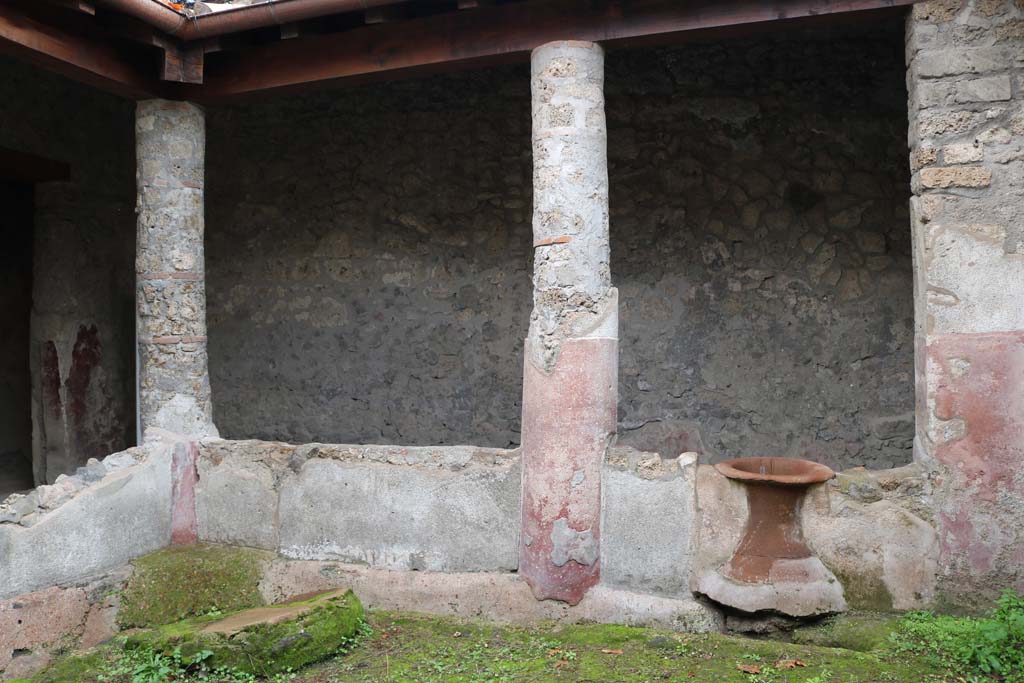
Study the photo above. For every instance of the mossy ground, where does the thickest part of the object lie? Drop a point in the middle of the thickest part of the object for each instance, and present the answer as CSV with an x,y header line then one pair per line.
x,y
859,631
178,583
419,649
407,648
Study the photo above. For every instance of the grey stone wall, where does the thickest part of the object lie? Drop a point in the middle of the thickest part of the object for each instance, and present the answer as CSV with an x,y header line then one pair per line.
x,y
368,263
369,254
81,358
965,64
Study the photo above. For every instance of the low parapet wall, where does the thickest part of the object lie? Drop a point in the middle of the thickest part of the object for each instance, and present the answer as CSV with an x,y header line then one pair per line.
x,y
429,529
439,509
443,509
88,524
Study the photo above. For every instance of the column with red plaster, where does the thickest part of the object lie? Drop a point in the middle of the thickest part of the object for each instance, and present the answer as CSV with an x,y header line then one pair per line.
x,y
967,156
174,384
170,295
571,355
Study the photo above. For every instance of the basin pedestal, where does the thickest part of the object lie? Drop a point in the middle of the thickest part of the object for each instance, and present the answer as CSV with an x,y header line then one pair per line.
x,y
772,569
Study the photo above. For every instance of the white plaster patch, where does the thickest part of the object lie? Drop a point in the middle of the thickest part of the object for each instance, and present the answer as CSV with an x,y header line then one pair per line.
x,y
973,285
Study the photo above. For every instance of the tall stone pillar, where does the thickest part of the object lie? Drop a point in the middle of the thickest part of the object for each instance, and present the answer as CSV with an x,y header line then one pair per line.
x,y
174,385
571,356
966,111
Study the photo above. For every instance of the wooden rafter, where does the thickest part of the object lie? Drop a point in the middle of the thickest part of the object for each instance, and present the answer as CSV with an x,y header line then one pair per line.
x,y
77,56
104,49
494,34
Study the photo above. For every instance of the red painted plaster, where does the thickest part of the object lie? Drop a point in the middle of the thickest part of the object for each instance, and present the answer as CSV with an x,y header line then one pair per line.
x,y
569,417
979,379
50,380
184,525
85,357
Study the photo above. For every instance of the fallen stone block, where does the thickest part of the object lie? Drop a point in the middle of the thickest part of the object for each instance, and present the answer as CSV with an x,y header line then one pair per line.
x,y
264,640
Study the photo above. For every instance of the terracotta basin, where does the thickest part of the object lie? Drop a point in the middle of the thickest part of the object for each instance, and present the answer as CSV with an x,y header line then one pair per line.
x,y
775,493
785,471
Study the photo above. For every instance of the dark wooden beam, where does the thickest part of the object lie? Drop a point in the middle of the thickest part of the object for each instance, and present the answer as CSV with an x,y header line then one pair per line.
x,y
29,168
75,5
489,35
384,14
76,56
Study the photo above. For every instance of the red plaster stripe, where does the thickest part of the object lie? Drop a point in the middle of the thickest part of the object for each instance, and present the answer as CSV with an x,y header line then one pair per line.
x,y
184,475
564,239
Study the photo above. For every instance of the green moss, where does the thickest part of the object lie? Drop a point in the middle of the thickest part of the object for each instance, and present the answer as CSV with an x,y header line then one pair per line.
x,y
867,593
858,631
77,668
435,650
420,649
177,583
605,635
331,621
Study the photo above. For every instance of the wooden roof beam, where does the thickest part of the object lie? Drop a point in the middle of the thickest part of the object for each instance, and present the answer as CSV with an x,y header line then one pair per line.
x,y
488,35
76,56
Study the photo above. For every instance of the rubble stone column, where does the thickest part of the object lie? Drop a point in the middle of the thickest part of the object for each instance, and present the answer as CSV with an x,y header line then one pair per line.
x,y
965,63
570,373
174,385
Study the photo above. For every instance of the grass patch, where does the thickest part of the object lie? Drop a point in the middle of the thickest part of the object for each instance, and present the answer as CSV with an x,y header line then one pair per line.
x,y
406,648
979,649
860,631
419,649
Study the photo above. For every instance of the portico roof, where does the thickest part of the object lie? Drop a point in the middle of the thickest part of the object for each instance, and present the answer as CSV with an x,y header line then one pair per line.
x,y
218,51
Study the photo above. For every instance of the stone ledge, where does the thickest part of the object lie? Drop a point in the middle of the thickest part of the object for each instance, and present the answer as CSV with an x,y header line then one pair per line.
x,y
494,596
28,508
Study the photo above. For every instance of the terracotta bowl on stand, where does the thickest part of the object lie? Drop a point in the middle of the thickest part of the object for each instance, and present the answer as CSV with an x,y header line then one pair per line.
x,y
772,569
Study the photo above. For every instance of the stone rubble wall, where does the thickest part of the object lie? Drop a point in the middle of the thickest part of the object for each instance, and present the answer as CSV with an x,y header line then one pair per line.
x,y
758,236
965,62
174,385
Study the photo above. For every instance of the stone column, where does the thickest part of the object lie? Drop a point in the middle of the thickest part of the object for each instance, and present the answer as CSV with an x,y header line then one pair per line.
x,y
570,371
966,111
174,385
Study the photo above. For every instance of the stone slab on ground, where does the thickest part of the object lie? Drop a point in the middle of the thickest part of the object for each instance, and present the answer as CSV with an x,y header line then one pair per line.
x,y
265,640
